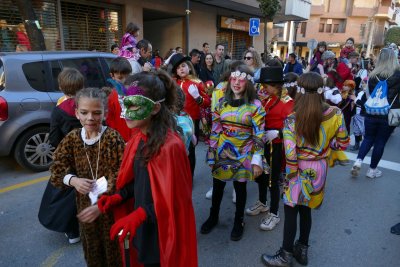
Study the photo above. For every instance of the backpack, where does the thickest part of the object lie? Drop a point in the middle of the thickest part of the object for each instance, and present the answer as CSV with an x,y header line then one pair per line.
x,y
377,103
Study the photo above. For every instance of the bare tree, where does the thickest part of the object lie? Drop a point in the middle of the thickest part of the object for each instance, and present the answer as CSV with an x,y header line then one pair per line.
x,y
29,17
268,8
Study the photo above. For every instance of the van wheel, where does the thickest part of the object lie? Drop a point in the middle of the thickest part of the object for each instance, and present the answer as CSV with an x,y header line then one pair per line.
x,y
33,150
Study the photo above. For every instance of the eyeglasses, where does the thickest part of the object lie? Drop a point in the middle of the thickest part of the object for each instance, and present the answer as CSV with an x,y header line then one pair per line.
x,y
247,58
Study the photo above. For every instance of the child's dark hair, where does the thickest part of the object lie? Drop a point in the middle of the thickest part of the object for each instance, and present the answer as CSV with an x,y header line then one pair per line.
x,y
291,77
70,81
180,100
113,47
93,93
120,65
249,93
232,67
157,86
132,28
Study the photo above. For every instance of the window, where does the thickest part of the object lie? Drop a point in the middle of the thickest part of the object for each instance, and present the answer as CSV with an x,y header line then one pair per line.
x,y
90,69
303,29
55,70
328,28
335,28
321,27
35,75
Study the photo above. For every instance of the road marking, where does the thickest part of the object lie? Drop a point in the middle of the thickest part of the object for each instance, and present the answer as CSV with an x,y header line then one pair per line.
x,y
53,258
27,183
382,163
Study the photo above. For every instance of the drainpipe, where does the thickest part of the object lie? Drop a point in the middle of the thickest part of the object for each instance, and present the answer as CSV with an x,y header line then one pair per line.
x,y
187,25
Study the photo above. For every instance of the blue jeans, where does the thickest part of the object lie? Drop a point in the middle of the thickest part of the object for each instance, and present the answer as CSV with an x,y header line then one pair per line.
x,y
377,132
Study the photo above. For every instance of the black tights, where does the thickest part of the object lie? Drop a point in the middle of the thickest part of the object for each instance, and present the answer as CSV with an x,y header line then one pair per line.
x,y
192,148
263,180
290,228
241,195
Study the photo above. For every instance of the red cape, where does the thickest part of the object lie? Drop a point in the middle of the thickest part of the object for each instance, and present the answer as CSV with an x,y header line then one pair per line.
x,y
171,186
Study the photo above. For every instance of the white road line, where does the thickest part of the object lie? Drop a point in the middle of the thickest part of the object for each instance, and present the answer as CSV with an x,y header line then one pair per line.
x,y
382,163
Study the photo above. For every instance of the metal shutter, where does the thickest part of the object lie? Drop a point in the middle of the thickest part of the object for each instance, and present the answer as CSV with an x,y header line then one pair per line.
x,y
234,41
91,24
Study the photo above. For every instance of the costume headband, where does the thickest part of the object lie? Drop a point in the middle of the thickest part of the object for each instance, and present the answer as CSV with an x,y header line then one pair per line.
x,y
300,89
292,84
241,75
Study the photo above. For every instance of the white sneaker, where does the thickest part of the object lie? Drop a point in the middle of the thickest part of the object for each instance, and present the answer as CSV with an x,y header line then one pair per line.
x,y
234,196
373,173
209,193
257,208
73,240
269,222
355,170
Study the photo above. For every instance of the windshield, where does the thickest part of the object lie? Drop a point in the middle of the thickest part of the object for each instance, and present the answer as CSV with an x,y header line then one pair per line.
x,y
2,76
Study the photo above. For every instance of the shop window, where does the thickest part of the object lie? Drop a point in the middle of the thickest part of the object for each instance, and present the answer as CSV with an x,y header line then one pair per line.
x,y
235,42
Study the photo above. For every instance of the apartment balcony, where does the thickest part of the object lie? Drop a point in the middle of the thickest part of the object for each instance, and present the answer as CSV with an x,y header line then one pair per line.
x,y
385,12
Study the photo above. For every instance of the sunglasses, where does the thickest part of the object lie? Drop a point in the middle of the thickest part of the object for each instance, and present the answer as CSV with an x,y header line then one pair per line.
x,y
247,58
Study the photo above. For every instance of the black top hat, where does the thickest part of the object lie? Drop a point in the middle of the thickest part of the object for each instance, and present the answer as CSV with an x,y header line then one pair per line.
x,y
271,75
177,59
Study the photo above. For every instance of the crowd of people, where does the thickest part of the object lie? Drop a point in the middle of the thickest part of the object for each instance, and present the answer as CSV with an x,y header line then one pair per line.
x,y
128,150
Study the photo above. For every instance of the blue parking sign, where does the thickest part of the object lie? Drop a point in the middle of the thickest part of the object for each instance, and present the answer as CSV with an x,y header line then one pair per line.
x,y
254,27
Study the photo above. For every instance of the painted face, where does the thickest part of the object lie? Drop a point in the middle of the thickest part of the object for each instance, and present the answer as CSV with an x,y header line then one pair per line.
x,y
138,107
90,112
183,70
209,60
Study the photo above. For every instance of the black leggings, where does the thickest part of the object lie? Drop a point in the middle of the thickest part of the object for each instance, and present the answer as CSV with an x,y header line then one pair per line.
x,y
263,180
241,195
192,148
290,227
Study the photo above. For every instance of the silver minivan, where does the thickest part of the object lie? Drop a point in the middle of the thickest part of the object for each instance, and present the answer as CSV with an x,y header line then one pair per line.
x,y
28,93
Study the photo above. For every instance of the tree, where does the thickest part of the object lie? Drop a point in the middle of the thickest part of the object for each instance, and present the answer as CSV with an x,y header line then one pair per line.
x,y
393,36
29,17
268,8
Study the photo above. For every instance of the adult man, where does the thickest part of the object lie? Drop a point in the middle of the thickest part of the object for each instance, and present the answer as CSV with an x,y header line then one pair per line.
x,y
142,64
195,59
206,49
220,66
293,65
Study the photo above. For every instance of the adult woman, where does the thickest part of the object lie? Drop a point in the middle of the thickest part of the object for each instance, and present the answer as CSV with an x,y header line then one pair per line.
x,y
377,129
206,69
277,107
253,60
236,146
310,132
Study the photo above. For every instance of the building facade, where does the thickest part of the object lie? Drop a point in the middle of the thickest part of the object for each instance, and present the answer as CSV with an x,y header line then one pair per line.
x,y
97,24
333,21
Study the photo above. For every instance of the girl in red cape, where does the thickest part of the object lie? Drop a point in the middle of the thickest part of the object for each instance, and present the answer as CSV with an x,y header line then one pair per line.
x,y
153,202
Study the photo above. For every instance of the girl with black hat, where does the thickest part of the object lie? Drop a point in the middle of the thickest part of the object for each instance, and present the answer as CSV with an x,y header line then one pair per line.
x,y
195,94
277,108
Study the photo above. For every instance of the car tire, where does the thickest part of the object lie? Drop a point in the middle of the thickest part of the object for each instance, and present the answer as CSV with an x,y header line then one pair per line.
x,y
33,150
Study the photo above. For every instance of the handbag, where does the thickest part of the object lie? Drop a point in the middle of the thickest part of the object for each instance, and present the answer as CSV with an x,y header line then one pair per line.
x,y
57,210
394,115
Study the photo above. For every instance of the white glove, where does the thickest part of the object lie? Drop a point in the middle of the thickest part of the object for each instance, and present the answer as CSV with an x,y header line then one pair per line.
x,y
271,135
360,95
194,91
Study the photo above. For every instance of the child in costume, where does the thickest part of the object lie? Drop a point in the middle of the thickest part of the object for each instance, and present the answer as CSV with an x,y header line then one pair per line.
x,y
236,146
120,68
346,50
56,212
195,94
309,134
184,121
88,159
129,41
154,186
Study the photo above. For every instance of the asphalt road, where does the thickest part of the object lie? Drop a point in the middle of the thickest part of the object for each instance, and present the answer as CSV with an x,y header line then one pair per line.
x,y
352,228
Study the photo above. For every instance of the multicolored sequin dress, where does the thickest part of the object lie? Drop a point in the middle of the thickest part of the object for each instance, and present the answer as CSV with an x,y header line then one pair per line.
x,y
306,165
237,138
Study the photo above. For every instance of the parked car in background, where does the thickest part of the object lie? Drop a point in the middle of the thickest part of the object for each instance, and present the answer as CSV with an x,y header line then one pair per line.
x,y
28,93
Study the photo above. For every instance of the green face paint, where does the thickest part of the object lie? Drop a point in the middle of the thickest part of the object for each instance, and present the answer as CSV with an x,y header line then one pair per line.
x,y
144,107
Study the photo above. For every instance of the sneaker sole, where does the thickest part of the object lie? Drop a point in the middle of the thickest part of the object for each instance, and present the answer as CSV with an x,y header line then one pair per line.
x,y
355,171
253,213
269,229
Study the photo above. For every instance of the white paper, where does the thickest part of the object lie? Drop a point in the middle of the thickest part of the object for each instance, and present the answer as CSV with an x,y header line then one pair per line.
x,y
99,188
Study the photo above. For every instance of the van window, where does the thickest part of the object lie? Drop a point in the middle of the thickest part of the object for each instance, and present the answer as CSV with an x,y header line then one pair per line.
x,y
2,76
90,69
35,75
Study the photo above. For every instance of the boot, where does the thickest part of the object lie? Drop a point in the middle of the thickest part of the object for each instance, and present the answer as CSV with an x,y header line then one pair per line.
x,y
238,227
356,146
282,258
211,222
300,253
